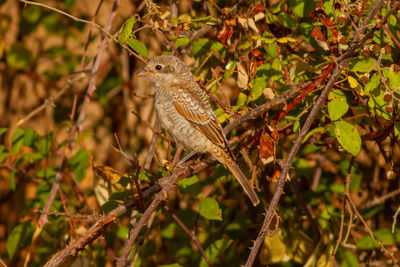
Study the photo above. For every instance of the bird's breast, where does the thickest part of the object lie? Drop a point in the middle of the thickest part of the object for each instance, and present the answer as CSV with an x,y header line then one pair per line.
x,y
181,130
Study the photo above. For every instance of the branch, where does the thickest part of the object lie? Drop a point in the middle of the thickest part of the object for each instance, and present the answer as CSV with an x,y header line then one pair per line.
x,y
98,228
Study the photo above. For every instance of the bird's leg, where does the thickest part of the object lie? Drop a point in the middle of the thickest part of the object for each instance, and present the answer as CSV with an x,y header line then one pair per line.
x,y
179,164
188,156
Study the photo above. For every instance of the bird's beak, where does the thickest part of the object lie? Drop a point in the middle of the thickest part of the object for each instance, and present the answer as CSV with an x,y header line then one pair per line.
x,y
143,73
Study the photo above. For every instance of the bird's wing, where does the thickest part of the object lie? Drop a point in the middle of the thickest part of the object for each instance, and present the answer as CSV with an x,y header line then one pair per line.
x,y
193,108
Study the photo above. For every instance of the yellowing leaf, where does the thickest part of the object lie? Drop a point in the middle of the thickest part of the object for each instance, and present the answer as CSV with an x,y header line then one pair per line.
x,y
285,40
274,250
355,85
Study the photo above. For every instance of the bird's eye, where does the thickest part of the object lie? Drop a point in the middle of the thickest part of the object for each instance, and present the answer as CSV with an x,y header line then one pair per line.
x,y
158,67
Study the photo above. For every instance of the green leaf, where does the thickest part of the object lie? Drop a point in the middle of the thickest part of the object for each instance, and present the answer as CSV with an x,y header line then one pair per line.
x,y
230,67
337,105
337,188
313,131
209,209
215,249
394,79
53,24
271,50
188,181
30,137
122,232
19,57
181,41
382,235
126,30
46,173
259,83
3,130
31,14
11,180
265,39
372,211
126,36
362,65
216,46
20,237
378,104
302,8
397,129
171,265
348,260
241,99
17,140
348,137
209,20
144,177
200,46
190,185
80,158
44,143
287,20
372,84
3,153
139,47
169,231
296,126
245,45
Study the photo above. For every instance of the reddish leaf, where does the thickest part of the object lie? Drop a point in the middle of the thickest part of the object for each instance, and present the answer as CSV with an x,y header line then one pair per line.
x,y
266,147
317,34
226,33
275,175
258,9
268,141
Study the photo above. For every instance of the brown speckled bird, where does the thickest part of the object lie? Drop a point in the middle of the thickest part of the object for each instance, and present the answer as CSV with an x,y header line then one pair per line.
x,y
185,112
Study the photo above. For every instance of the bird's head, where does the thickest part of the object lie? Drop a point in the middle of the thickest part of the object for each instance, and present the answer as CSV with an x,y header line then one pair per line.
x,y
164,69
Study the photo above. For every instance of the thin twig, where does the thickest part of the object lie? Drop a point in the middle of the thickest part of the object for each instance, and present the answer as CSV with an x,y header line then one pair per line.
x,y
192,236
51,100
90,90
153,145
395,219
105,30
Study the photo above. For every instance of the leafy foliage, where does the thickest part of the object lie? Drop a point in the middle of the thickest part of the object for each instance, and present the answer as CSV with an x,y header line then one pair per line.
x,y
54,130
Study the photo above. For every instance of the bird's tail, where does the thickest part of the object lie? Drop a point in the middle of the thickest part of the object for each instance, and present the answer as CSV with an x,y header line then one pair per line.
x,y
229,162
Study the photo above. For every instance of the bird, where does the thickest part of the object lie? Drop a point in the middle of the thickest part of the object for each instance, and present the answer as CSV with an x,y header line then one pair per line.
x,y
184,111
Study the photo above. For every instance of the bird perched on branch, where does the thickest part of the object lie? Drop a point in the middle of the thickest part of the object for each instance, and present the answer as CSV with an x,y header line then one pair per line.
x,y
184,111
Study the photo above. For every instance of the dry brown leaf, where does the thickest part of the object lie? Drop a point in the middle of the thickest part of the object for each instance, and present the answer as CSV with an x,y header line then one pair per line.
x,y
243,78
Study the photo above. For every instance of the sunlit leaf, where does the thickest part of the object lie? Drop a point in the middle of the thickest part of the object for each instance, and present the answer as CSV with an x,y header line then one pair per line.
x,y
215,249
209,209
20,237
337,104
363,65
348,137
17,140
